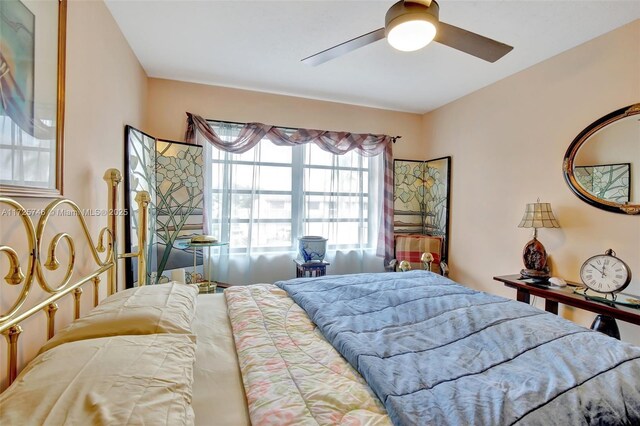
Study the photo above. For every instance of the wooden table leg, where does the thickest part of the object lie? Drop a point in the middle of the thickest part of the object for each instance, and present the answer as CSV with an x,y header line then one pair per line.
x,y
607,325
551,306
523,296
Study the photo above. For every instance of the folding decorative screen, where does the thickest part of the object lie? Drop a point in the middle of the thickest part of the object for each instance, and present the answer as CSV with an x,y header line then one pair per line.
x,y
140,175
172,172
421,198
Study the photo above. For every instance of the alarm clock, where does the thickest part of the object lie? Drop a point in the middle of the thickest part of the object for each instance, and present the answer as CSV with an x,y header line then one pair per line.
x,y
605,273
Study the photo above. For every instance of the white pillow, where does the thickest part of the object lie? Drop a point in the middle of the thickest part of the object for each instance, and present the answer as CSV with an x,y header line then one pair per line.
x,y
121,380
163,308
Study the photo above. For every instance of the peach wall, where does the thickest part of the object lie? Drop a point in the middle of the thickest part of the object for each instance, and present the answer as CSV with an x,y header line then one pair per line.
x,y
508,141
169,100
106,88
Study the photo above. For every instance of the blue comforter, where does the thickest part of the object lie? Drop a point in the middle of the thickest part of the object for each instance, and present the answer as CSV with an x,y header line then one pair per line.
x,y
436,353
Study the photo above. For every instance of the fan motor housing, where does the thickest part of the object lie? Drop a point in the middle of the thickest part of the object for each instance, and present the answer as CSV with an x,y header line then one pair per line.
x,y
404,11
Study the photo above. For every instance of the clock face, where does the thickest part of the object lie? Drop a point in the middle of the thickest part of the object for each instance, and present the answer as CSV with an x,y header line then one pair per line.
x,y
605,274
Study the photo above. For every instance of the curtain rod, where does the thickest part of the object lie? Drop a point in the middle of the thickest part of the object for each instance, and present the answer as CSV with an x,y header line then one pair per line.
x,y
393,138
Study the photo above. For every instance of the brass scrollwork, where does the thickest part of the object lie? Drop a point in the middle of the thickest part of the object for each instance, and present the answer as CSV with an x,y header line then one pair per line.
x,y
35,268
52,262
15,276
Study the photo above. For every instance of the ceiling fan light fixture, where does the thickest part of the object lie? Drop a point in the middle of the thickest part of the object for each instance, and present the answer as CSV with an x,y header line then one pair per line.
x,y
411,25
411,35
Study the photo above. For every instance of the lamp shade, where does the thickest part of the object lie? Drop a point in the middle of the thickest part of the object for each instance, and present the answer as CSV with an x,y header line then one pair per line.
x,y
538,215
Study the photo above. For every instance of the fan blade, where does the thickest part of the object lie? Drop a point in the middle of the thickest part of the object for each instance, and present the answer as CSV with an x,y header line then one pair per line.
x,y
471,43
346,47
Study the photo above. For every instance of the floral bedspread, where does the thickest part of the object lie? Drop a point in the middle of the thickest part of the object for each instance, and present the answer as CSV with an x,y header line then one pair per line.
x,y
290,372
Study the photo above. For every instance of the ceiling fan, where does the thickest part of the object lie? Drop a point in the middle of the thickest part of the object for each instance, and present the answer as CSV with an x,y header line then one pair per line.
x,y
411,25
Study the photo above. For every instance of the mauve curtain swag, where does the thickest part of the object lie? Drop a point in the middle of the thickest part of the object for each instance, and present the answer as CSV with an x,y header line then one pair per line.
x,y
337,143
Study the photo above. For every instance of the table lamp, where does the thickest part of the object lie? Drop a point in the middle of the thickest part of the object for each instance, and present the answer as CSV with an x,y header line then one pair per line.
x,y
426,260
536,215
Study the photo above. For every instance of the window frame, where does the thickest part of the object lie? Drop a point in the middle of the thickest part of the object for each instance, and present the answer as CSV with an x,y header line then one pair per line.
x,y
298,217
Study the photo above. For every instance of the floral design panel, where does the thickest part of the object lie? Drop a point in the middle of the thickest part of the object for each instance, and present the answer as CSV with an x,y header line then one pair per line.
x,y
180,205
610,182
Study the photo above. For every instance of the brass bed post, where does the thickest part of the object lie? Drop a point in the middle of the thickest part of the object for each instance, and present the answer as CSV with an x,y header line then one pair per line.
x,y
96,291
143,199
76,299
12,335
113,179
51,319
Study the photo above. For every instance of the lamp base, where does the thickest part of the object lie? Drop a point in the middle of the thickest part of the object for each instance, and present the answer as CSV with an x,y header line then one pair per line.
x,y
534,257
535,274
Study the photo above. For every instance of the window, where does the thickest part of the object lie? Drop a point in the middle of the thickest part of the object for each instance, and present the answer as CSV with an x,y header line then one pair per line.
x,y
267,197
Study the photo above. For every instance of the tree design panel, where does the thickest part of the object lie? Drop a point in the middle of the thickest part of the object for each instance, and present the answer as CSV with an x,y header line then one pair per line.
x,y
140,154
436,183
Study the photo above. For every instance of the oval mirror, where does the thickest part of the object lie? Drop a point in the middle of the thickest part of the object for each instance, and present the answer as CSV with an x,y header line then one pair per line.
x,y
601,164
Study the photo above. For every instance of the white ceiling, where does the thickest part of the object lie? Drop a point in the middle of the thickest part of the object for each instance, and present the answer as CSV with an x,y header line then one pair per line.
x,y
257,45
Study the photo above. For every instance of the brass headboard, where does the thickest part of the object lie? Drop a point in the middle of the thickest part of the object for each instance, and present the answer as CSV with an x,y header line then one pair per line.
x,y
107,244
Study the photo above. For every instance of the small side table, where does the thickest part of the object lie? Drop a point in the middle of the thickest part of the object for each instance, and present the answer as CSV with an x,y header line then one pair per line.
x,y
219,287
206,286
311,269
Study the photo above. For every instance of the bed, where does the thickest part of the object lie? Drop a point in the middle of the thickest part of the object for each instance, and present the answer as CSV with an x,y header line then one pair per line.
x,y
362,349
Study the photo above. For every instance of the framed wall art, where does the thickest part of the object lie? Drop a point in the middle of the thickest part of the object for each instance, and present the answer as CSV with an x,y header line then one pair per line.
x,y
32,76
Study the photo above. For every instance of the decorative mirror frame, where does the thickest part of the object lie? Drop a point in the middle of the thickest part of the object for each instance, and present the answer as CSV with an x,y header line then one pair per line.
x,y
28,191
570,156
